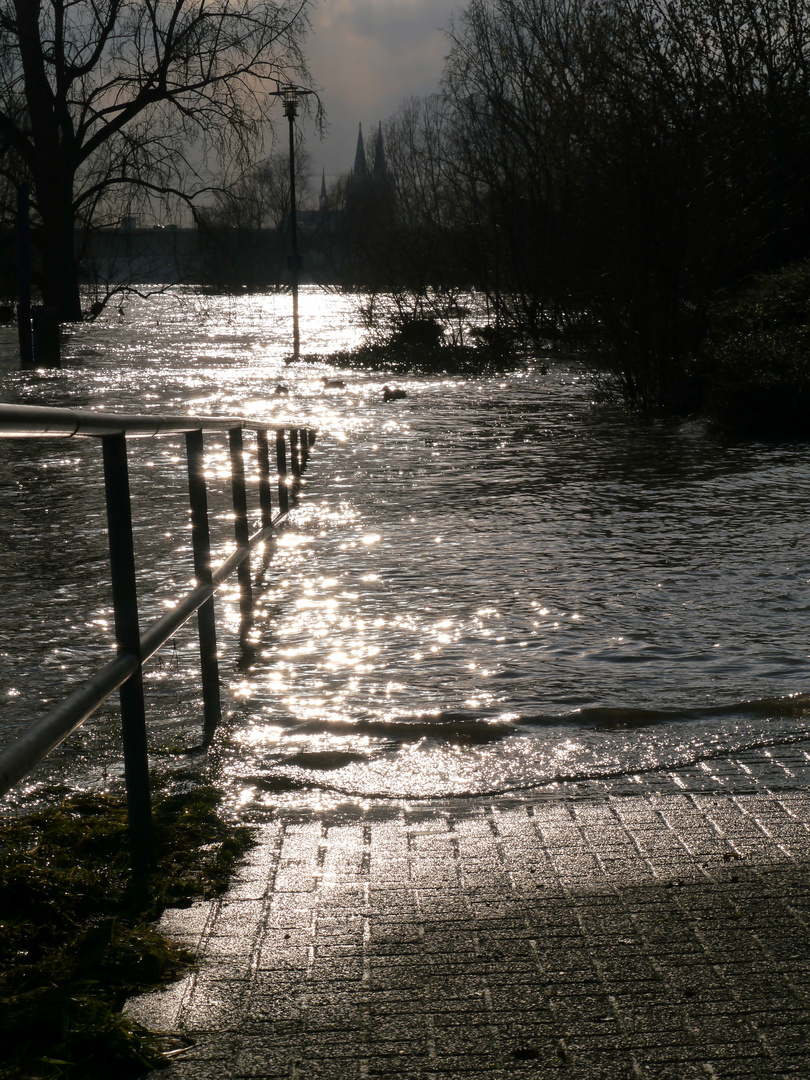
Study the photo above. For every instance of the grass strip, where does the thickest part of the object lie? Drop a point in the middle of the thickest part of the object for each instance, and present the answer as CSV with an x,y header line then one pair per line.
x,y
75,939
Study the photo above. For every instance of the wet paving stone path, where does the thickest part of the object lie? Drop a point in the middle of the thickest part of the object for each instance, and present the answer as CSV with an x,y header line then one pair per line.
x,y
658,935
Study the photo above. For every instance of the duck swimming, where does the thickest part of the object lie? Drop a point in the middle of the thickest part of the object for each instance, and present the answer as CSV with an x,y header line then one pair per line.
x,y
394,394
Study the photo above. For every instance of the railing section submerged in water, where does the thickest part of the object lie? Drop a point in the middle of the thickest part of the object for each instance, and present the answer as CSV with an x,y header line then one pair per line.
x,y
133,649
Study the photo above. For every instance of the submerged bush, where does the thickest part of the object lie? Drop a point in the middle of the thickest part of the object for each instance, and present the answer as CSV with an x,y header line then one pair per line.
x,y
418,333
757,357
419,345
74,936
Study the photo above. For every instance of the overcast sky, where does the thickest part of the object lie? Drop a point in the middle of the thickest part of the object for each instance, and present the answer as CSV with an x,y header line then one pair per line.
x,y
367,56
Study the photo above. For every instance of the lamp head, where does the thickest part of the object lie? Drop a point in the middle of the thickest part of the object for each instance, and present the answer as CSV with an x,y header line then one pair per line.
x,y
289,96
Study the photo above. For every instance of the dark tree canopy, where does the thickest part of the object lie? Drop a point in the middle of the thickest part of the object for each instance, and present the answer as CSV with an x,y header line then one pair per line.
x,y
628,160
108,106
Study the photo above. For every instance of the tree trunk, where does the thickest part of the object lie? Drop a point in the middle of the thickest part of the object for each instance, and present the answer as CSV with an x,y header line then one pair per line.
x,y
59,282
52,165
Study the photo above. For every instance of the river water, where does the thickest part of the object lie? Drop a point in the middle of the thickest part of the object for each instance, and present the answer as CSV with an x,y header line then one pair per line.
x,y
493,586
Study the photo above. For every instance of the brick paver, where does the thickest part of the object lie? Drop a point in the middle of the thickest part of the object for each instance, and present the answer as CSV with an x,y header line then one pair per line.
x,y
658,935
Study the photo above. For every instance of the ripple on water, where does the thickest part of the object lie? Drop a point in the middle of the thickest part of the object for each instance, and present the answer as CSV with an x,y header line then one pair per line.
x,y
492,588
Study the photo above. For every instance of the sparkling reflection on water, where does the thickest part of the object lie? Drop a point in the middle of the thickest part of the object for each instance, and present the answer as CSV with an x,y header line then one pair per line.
x,y
490,586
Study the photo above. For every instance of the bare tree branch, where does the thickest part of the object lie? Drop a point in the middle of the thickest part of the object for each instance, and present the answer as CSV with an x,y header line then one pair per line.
x,y
147,97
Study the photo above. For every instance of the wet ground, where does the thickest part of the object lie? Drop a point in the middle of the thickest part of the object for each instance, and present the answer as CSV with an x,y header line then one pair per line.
x,y
659,935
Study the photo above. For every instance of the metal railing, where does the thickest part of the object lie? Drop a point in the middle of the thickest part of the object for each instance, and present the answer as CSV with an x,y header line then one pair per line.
x,y
133,648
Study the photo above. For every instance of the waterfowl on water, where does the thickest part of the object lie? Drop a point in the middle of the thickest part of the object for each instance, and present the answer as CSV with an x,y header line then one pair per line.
x,y
281,389
394,394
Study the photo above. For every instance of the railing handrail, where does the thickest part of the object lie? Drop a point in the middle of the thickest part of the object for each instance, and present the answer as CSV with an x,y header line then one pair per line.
x,y
37,421
134,648
44,734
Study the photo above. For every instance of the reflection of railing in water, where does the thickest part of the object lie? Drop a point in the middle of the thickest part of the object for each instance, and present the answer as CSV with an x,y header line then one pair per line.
x,y
134,648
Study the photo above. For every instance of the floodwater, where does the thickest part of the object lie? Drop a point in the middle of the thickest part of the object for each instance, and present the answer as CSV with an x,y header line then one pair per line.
x,y
491,586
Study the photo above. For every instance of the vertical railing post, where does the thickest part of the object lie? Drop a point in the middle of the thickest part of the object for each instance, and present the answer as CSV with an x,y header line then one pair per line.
x,y
281,458
265,491
206,616
241,529
295,459
128,640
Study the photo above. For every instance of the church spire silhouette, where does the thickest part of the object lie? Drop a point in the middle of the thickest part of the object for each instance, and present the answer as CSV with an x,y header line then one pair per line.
x,y
359,171
380,166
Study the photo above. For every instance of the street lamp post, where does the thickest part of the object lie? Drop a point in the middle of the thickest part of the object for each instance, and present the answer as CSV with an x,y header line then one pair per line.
x,y
289,95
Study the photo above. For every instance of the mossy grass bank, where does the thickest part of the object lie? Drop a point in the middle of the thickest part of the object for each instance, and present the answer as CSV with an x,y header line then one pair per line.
x,y
75,939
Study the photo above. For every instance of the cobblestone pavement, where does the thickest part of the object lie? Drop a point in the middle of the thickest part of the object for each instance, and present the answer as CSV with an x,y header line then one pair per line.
x,y
660,934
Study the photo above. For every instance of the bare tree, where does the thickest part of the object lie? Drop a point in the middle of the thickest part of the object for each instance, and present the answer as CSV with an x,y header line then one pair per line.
x,y
417,161
513,133
110,106
244,234
630,159
425,250
261,198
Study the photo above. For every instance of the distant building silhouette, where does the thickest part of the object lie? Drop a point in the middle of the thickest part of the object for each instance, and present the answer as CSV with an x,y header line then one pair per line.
x,y
341,238
360,171
380,171
370,197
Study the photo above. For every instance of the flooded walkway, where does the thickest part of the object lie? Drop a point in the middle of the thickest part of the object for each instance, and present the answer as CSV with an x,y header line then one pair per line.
x,y
658,935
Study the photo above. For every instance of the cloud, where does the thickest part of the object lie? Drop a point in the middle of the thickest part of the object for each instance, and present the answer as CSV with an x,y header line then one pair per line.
x,y
368,56
397,25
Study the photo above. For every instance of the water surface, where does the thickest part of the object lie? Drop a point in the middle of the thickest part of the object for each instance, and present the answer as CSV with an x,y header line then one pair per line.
x,y
491,586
